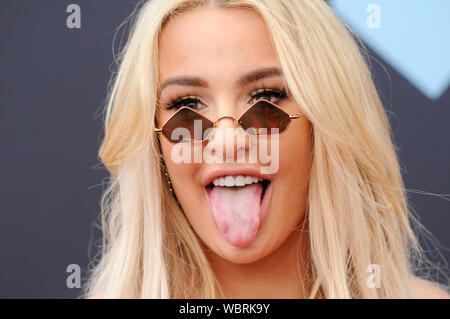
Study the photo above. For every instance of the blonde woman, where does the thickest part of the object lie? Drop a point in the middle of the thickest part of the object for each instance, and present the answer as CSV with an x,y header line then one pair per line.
x,y
321,214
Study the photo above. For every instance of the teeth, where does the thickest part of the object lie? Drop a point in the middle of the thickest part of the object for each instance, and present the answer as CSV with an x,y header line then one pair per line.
x,y
240,180
231,181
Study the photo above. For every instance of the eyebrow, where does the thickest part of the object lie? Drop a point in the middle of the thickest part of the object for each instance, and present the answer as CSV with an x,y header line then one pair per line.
x,y
243,80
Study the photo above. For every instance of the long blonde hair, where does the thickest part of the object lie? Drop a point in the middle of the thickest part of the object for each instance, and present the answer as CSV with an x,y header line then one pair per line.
x,y
357,208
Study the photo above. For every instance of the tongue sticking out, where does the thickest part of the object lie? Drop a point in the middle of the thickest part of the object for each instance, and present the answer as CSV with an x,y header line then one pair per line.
x,y
236,211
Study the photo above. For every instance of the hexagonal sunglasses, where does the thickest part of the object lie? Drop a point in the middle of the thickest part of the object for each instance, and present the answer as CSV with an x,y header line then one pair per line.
x,y
259,119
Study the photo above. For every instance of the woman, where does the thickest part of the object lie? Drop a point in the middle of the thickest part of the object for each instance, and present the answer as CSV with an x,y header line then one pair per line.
x,y
321,214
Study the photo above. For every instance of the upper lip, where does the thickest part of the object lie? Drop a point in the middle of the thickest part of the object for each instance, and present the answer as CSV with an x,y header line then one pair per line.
x,y
210,175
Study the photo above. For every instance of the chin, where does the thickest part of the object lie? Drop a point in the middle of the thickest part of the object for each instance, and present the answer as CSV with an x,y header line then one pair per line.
x,y
260,248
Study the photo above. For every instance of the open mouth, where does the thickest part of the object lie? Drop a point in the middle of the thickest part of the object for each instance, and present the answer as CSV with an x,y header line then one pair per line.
x,y
238,181
236,202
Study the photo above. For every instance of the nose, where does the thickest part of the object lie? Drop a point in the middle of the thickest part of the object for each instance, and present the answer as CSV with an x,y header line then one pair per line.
x,y
227,141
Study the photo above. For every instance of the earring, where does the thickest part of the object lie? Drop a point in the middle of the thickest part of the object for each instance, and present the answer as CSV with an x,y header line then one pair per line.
x,y
169,182
164,170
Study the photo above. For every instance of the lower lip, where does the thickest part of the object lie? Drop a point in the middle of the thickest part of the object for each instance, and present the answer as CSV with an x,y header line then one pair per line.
x,y
265,203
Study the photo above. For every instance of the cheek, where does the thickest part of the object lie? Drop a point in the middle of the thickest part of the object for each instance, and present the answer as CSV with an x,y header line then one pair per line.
x,y
295,158
182,175
296,150
292,180
186,184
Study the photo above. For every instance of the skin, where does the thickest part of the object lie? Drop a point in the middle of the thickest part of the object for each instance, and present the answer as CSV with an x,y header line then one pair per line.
x,y
235,42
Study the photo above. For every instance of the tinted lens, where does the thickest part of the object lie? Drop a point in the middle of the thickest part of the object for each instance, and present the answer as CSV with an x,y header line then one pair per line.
x,y
264,115
186,126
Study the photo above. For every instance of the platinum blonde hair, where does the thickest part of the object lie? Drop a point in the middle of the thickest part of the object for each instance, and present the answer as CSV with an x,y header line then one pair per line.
x,y
357,208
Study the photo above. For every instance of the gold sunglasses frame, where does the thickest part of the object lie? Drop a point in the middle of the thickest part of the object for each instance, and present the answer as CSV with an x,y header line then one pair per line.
x,y
291,117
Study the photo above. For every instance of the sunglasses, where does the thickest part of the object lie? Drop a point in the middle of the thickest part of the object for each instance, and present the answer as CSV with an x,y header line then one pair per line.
x,y
259,119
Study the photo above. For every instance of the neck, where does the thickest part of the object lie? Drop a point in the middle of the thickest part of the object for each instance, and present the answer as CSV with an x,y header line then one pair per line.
x,y
278,275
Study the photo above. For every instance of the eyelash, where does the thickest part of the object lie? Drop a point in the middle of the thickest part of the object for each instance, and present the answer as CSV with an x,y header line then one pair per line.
x,y
178,102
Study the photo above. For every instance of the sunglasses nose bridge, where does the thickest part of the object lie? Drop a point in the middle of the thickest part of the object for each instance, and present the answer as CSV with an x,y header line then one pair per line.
x,y
235,120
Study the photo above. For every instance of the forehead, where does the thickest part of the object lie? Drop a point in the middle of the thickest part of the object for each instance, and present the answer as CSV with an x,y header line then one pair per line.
x,y
215,42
